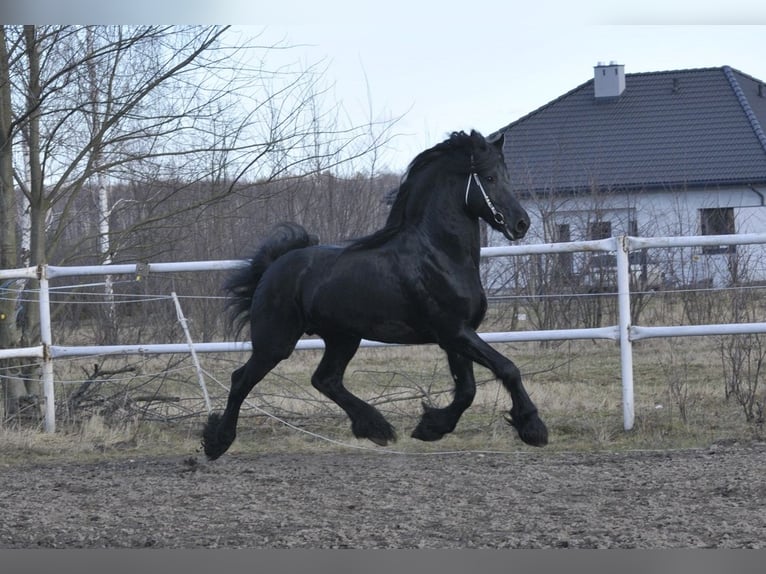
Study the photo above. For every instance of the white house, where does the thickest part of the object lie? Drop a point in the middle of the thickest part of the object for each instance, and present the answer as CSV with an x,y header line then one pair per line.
x,y
679,152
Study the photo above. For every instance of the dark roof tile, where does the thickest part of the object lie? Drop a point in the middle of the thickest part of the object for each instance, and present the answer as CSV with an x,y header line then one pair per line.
x,y
702,127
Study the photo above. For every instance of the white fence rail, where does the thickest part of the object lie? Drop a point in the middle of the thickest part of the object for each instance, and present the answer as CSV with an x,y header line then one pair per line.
x,y
47,352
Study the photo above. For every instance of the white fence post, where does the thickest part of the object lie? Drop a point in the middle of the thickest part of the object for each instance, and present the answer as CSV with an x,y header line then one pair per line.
x,y
185,326
622,255
46,338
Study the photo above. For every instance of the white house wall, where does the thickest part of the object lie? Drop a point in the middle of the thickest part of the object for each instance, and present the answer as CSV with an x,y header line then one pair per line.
x,y
654,214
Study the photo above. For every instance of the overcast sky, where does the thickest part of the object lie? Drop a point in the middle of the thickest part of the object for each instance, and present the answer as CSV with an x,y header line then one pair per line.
x,y
445,65
479,64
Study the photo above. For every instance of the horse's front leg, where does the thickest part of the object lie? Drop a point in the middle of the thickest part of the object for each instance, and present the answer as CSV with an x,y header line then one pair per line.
x,y
523,413
436,422
366,421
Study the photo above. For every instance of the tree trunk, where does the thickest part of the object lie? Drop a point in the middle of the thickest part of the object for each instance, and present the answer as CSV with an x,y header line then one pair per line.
x,y
12,386
38,208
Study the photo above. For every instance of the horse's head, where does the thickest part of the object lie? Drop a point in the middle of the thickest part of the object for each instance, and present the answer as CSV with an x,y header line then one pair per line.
x,y
468,168
488,193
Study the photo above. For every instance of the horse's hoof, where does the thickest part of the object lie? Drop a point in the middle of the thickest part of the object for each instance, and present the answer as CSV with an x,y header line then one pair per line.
x,y
425,433
215,442
211,456
531,429
536,436
378,440
433,424
213,451
375,428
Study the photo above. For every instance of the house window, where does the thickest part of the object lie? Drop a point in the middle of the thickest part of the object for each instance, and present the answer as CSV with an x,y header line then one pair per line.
x,y
563,233
717,221
600,230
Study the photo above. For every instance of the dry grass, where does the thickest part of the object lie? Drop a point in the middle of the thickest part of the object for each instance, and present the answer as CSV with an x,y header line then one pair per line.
x,y
679,402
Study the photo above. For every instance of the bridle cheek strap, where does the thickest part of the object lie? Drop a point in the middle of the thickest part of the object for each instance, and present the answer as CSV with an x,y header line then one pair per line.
x,y
496,215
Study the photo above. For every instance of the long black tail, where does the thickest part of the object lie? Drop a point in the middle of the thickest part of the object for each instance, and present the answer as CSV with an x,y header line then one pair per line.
x,y
241,283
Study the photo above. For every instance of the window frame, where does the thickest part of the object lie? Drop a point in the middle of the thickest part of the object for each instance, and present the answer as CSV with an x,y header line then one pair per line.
x,y
717,221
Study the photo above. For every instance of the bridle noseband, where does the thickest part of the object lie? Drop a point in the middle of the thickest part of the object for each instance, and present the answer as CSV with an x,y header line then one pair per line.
x,y
473,176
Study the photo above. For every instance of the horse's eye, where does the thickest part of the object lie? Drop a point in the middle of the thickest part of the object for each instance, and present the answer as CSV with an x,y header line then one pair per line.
x,y
490,178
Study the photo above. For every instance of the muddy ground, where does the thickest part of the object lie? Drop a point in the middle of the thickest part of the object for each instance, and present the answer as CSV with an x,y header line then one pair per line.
x,y
713,497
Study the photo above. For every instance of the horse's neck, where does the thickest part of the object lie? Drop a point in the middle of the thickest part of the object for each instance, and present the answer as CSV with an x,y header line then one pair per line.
x,y
458,238
444,224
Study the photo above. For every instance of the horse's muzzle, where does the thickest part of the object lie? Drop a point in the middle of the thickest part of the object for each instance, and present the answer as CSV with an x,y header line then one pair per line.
x,y
518,230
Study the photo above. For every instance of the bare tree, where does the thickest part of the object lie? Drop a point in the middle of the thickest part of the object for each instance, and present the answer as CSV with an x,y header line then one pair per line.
x,y
180,112
12,387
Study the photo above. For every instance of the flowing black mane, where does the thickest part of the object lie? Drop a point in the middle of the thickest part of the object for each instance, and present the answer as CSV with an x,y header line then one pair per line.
x,y
462,152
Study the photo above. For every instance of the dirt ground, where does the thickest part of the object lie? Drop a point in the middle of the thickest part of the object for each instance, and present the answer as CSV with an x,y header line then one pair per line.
x,y
714,497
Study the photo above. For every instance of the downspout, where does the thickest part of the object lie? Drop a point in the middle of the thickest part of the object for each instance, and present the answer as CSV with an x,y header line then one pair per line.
x,y
759,193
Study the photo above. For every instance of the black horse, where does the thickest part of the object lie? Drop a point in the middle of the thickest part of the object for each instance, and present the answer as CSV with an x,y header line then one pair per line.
x,y
414,281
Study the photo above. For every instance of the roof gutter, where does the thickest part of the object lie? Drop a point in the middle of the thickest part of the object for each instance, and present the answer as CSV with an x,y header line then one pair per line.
x,y
638,187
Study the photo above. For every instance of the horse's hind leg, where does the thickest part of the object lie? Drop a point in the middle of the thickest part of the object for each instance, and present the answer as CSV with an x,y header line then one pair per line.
x,y
366,420
271,344
221,429
436,422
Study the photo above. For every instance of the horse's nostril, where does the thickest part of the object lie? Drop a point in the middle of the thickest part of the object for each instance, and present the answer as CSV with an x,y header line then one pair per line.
x,y
522,226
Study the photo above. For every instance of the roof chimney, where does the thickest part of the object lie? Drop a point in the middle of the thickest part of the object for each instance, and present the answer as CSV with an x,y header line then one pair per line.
x,y
608,80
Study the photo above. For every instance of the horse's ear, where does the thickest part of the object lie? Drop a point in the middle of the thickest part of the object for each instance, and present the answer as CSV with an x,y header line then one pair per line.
x,y
498,141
